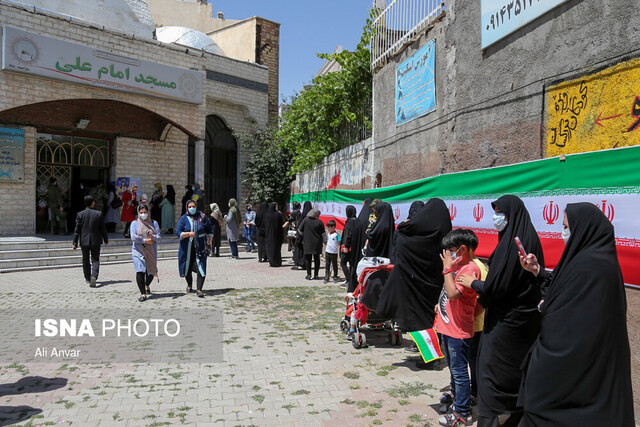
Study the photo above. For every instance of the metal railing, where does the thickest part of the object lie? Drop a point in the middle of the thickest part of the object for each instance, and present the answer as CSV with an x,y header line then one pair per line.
x,y
399,22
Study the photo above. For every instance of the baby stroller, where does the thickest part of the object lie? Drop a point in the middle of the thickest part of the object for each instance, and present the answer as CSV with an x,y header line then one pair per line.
x,y
372,273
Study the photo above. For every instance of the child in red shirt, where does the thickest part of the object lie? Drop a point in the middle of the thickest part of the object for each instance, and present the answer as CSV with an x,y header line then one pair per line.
x,y
455,319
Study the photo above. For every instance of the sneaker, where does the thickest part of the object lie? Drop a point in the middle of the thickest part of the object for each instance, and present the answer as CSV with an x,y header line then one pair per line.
x,y
455,419
92,283
413,348
308,277
349,336
447,397
344,284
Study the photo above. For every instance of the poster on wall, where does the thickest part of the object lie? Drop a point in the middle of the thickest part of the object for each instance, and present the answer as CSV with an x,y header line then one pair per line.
x,y
11,155
416,85
502,17
124,183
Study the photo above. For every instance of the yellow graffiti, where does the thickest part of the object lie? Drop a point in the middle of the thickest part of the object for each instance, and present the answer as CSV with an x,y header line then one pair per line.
x,y
594,112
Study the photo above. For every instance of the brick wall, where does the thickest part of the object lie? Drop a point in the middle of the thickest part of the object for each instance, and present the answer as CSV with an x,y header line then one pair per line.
x,y
269,55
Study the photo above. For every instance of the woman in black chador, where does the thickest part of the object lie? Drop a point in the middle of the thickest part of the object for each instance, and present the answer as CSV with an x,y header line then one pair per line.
x,y
381,234
261,241
578,372
273,233
345,251
510,296
416,281
298,249
356,241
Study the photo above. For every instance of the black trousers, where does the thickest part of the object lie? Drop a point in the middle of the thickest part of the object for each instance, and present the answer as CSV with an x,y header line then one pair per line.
x,y
512,421
316,264
90,269
344,260
143,280
330,260
194,266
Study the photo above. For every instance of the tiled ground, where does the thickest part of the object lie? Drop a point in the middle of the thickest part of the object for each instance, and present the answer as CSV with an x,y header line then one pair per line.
x,y
285,360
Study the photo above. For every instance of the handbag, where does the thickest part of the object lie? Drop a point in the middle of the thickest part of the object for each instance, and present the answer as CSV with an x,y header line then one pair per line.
x,y
116,202
291,233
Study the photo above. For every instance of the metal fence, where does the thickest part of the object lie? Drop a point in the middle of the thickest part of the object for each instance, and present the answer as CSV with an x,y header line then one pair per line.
x,y
399,22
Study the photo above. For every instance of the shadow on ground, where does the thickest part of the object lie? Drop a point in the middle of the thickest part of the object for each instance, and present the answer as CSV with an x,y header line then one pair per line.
x,y
33,384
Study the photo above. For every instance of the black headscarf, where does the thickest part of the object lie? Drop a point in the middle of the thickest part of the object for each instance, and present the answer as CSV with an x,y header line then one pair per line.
x,y
273,235
381,234
512,321
306,208
417,278
508,285
579,368
415,208
350,212
358,238
171,195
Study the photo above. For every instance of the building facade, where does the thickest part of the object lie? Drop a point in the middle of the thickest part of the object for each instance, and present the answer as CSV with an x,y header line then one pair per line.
x,y
88,104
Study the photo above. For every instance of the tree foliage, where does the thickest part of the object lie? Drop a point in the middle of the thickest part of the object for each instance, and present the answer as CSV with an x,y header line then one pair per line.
x,y
266,171
334,112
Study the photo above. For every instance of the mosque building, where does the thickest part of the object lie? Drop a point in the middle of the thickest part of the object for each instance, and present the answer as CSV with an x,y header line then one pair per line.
x,y
98,91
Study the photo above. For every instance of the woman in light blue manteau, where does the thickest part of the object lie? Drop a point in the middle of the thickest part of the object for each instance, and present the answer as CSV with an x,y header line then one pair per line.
x,y
144,233
195,232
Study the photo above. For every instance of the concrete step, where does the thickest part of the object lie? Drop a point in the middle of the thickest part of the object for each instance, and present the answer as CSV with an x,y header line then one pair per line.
x,y
64,242
67,250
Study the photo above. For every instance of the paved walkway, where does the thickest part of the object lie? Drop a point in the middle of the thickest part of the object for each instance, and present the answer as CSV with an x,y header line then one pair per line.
x,y
285,360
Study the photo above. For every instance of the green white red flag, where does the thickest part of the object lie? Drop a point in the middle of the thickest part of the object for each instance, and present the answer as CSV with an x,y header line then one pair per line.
x,y
427,342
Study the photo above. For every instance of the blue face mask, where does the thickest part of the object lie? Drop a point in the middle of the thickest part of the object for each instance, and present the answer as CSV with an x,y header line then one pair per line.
x,y
192,211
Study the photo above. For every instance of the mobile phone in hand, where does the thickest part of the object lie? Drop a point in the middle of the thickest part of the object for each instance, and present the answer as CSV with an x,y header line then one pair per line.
x,y
520,247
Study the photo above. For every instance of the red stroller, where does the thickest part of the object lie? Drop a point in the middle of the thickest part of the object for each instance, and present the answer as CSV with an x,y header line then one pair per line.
x,y
372,277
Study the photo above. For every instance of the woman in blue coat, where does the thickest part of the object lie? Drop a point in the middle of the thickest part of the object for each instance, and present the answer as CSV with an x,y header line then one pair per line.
x,y
195,232
144,251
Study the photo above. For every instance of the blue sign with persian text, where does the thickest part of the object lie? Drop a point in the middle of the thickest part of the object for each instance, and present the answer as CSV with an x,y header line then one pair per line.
x,y
502,17
416,85
11,155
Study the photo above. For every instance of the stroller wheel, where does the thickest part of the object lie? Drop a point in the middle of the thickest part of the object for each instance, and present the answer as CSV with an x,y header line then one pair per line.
x,y
344,326
359,340
393,339
398,336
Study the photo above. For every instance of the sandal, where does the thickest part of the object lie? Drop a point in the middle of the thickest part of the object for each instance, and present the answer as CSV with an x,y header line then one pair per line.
x,y
142,298
189,289
148,291
200,294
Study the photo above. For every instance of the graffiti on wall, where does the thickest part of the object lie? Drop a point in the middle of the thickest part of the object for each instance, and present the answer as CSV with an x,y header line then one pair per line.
x,y
594,112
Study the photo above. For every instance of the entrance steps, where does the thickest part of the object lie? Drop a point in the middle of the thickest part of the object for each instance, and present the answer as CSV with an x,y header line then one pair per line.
x,y
43,252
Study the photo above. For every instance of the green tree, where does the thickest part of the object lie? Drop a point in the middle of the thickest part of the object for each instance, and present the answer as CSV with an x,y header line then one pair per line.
x,y
334,112
267,169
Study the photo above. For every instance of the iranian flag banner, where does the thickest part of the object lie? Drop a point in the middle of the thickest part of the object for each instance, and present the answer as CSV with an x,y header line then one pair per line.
x,y
427,342
610,179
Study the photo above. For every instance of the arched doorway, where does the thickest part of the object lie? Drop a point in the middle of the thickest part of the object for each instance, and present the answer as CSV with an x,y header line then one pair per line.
x,y
220,162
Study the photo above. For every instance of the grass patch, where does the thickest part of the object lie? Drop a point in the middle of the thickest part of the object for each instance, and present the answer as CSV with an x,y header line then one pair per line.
x,y
348,401
408,390
352,375
300,392
258,398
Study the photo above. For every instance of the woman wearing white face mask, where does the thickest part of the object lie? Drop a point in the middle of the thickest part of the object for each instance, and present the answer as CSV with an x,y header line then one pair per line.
x,y
195,232
144,234
577,375
510,296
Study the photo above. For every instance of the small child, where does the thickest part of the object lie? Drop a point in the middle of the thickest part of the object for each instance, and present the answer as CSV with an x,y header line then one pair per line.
x,y
331,252
456,321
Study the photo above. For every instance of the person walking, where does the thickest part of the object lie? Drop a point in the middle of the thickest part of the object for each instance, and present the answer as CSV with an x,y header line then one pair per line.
x,y
145,233
299,260
250,228
90,232
261,240
380,236
129,205
195,232
168,206
578,375
345,250
57,214
290,225
313,236
357,241
112,216
233,222
216,223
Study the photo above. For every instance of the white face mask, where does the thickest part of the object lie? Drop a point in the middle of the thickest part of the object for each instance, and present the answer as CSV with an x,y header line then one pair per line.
x,y
566,233
499,221
143,216
454,255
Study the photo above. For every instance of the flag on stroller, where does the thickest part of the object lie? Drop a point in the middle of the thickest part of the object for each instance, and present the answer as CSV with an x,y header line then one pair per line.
x,y
427,342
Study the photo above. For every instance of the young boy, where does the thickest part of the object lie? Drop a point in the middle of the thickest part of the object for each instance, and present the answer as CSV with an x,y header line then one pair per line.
x,y
455,320
331,252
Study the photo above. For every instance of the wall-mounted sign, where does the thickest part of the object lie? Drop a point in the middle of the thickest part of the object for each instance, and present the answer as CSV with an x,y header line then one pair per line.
x,y
34,54
502,17
416,85
11,155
